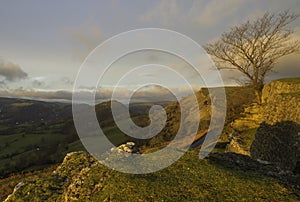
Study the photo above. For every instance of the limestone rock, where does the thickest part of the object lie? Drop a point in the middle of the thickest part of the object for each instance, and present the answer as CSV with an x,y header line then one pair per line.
x,y
251,119
278,88
280,103
279,143
237,147
128,147
9,197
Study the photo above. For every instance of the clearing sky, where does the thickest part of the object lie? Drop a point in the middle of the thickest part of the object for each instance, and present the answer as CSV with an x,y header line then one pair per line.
x,y
43,43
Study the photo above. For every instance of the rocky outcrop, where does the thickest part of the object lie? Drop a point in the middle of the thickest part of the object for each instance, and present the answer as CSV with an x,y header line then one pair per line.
x,y
71,181
73,163
280,87
128,147
80,178
278,143
250,118
239,137
237,145
89,180
280,102
278,138
75,179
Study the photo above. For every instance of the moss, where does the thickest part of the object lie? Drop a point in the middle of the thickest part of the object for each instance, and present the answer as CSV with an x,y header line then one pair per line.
x,y
7,185
290,80
22,104
295,94
248,137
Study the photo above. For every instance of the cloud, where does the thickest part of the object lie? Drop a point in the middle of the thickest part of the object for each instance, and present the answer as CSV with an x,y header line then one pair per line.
x,y
164,12
84,39
150,93
38,82
37,94
11,72
67,81
197,12
215,11
3,85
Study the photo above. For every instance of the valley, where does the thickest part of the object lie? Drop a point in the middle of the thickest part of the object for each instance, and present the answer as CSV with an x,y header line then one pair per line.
x,y
43,152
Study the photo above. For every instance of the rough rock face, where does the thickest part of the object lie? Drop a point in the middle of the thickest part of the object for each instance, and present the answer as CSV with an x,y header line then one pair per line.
x,y
128,147
71,181
280,102
73,178
237,146
80,186
251,119
278,137
278,143
279,87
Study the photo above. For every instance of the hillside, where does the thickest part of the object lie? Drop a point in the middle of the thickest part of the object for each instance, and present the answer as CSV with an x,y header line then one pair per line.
x,y
221,176
15,111
31,134
35,138
36,134
82,178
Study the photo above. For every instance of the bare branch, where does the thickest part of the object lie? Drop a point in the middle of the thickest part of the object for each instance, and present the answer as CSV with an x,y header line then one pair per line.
x,y
253,48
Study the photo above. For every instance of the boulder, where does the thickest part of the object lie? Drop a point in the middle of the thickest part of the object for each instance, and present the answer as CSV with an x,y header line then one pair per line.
x,y
278,143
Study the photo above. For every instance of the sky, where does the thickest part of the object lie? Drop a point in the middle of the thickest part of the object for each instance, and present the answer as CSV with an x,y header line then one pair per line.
x,y
44,43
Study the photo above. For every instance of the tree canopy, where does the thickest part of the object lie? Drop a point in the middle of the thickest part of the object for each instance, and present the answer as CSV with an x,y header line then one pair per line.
x,y
254,47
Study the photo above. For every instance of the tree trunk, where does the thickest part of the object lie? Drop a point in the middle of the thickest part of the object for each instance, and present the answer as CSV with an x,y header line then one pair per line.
x,y
258,94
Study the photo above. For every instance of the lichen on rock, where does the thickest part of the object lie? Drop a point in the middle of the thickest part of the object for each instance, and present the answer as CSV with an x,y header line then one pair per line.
x,y
280,102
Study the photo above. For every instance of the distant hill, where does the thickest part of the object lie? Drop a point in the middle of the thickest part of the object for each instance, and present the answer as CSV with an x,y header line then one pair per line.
x,y
223,176
35,134
31,133
15,111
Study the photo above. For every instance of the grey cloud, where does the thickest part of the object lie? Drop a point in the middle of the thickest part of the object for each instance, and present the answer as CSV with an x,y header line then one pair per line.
x,y
201,12
216,11
164,12
67,81
42,94
35,94
3,85
147,94
38,83
288,68
84,39
11,72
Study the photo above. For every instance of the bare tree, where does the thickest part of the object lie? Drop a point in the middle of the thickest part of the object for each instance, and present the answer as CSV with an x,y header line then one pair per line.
x,y
253,48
